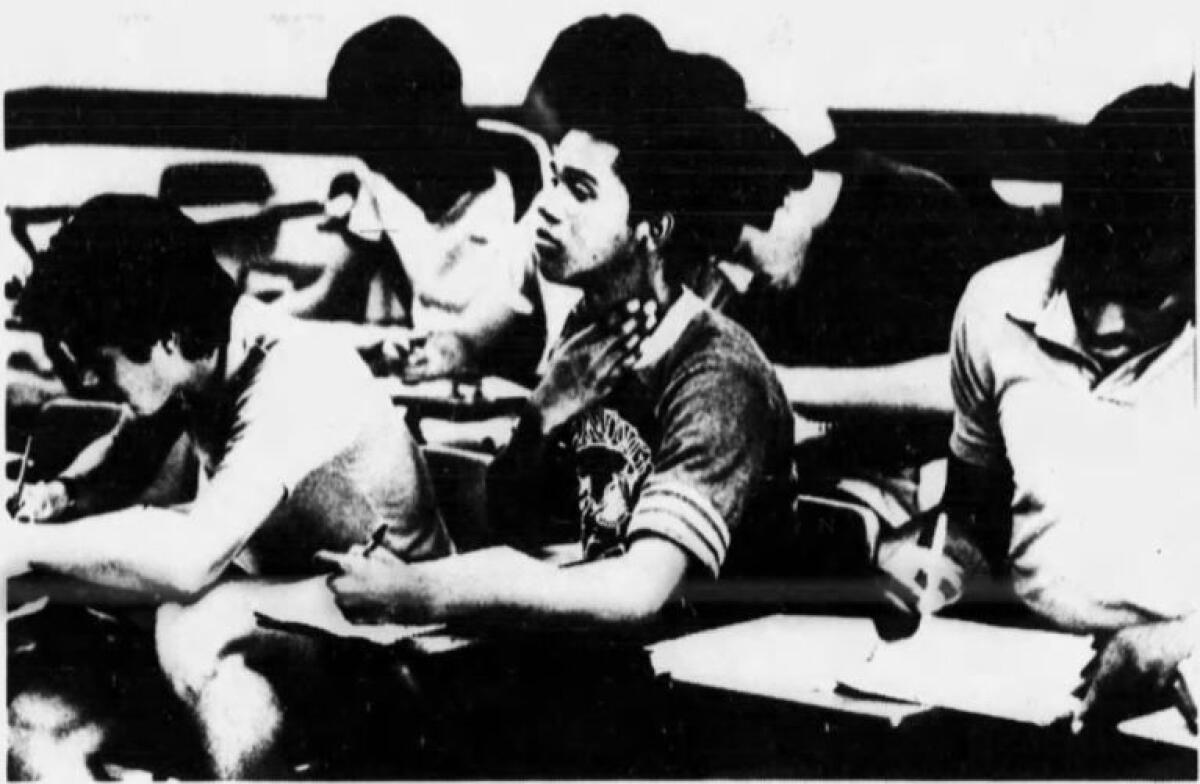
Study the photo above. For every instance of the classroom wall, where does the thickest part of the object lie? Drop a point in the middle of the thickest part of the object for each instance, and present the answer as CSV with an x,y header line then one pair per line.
x,y
1060,57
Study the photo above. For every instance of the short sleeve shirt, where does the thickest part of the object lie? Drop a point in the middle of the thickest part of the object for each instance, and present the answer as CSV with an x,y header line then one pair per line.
x,y
302,427
692,447
1106,507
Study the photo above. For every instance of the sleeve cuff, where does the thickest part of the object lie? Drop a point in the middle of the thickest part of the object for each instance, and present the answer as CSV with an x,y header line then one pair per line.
x,y
678,512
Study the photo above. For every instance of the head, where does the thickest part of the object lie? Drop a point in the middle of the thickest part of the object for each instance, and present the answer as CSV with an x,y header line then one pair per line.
x,y
784,212
1129,205
642,175
130,301
398,92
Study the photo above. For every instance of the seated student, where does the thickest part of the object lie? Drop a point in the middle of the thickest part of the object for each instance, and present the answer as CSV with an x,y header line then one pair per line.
x,y
667,456
1074,448
298,451
853,290
430,219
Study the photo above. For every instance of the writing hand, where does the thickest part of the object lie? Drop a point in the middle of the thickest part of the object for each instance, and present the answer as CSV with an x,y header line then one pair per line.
x,y
441,355
377,587
1132,673
40,502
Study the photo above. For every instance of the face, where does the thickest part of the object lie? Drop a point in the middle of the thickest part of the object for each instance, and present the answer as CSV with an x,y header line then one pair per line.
x,y
582,215
143,386
779,252
1116,326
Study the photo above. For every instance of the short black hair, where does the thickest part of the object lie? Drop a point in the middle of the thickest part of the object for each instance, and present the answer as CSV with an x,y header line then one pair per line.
x,y
687,144
129,271
1130,186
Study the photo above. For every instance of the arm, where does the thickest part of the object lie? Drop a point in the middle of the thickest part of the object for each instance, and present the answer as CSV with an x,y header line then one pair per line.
x,y
504,586
157,552
916,387
299,411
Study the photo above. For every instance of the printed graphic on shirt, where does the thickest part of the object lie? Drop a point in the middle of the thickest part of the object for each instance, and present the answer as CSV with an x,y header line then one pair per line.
x,y
611,463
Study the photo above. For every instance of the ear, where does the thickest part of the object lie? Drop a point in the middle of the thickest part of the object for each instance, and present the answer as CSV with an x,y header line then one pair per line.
x,y
171,344
656,231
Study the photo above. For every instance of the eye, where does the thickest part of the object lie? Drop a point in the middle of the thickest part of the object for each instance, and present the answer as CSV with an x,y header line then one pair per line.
x,y
581,190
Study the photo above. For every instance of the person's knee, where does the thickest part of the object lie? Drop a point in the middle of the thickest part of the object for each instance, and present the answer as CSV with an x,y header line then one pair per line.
x,y
49,737
191,640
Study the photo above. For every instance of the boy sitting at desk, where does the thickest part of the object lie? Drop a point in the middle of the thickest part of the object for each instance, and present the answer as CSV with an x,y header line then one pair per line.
x,y
1074,450
298,451
668,455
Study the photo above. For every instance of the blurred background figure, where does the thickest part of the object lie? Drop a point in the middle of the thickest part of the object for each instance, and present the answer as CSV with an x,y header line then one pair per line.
x,y
431,216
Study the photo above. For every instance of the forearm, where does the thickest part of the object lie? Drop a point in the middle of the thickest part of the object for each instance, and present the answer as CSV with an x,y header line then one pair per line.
x,y
917,387
157,552
501,585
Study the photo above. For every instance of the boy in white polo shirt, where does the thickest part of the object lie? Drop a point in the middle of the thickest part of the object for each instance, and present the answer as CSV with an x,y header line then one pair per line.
x,y
1073,371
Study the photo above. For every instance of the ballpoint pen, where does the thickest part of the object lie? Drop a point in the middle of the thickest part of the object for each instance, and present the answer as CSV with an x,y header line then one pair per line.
x,y
377,537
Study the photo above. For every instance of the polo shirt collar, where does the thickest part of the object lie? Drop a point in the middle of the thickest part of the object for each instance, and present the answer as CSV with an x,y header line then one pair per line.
x,y
1054,324
670,329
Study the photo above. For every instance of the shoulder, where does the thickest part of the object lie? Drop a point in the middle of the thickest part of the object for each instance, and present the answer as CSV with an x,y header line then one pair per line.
x,y
1020,284
296,359
719,355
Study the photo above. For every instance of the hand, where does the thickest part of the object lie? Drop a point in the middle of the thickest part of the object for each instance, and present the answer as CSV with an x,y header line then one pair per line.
x,y
587,366
442,354
1132,673
376,588
923,579
40,502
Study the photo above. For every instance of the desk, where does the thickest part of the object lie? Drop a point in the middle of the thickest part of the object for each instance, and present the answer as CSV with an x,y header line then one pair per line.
x,y
443,399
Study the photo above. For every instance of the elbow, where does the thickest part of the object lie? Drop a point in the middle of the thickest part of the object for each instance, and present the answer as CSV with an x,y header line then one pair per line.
x,y
191,578
634,607
186,585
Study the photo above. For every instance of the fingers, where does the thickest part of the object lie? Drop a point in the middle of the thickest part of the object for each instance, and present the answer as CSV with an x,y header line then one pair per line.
x,y
337,560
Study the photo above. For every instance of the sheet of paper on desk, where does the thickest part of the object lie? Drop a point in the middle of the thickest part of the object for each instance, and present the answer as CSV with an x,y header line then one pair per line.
x,y
1018,674
1164,726
797,658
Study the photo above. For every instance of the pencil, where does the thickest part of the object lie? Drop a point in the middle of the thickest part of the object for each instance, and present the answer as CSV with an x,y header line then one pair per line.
x,y
377,537
1184,703
16,503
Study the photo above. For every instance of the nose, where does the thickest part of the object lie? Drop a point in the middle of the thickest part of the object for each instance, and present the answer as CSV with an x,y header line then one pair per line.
x,y
548,217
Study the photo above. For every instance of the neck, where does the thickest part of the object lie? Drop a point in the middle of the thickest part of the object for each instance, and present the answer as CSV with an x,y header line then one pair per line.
x,y
823,192
632,277
205,380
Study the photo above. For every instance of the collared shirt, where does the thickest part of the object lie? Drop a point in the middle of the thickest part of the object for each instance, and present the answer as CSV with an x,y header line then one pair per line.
x,y
1106,506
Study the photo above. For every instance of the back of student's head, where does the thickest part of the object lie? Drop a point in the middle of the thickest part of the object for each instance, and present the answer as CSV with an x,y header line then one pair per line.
x,y
1129,195
129,271
397,90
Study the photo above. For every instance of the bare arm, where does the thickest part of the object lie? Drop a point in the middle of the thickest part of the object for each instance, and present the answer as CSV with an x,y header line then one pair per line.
x,y
159,552
917,387
502,585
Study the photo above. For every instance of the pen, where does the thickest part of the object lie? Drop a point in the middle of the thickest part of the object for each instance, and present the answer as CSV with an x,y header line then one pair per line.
x,y
928,579
1184,703
377,537
15,504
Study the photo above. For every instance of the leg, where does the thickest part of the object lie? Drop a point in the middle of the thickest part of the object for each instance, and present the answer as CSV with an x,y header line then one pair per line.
x,y
229,672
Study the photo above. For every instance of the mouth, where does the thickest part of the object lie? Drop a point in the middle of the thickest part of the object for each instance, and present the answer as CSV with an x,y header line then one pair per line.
x,y
546,244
